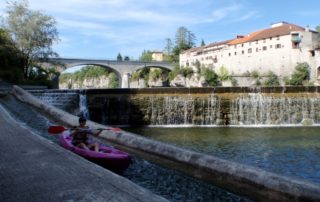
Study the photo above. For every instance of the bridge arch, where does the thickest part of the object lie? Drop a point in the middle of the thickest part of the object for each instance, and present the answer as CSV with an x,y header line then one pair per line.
x,y
123,69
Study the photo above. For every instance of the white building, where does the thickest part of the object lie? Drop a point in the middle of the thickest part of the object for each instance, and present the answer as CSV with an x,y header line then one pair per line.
x,y
277,49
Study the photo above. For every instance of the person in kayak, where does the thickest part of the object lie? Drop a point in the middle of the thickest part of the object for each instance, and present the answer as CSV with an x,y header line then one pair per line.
x,y
80,136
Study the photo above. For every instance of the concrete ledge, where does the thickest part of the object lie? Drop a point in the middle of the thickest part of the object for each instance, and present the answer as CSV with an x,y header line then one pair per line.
x,y
242,179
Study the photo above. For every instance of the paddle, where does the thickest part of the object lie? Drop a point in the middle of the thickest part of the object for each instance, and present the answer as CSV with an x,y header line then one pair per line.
x,y
60,129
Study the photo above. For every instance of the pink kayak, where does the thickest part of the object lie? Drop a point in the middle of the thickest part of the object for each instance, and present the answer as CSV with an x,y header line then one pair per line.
x,y
107,157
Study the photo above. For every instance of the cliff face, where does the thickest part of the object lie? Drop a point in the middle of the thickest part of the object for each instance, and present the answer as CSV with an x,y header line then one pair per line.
x,y
87,83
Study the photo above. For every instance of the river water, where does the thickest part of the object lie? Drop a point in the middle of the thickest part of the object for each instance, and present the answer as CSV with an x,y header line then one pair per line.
x,y
289,151
165,182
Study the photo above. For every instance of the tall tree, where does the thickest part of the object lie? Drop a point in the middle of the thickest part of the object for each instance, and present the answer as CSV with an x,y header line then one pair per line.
x,y
119,57
146,56
33,33
168,47
185,39
202,42
126,58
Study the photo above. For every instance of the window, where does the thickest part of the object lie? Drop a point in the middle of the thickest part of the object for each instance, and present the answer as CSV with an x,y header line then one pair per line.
x,y
278,37
278,45
312,53
264,40
229,54
235,53
256,42
241,45
270,46
242,52
264,48
250,50
257,49
270,38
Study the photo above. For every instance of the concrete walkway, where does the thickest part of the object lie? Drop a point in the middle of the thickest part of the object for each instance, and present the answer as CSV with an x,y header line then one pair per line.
x,y
34,169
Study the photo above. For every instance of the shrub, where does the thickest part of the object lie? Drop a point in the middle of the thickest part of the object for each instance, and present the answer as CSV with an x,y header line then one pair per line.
x,y
210,77
301,73
272,79
223,73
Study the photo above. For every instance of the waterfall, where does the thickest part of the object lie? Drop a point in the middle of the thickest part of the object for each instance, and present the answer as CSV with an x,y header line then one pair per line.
x,y
83,106
67,101
186,110
261,109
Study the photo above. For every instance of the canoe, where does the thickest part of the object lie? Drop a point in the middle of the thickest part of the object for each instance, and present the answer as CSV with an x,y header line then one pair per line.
x,y
108,157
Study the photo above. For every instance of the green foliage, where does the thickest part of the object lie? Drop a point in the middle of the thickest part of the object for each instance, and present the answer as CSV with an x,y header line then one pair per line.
x,y
174,72
301,73
186,72
210,77
90,71
11,60
255,74
272,79
155,74
113,80
234,81
146,56
119,57
223,73
32,32
126,58
184,40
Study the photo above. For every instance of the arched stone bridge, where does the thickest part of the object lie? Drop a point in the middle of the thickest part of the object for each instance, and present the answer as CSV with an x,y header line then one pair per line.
x,y
123,69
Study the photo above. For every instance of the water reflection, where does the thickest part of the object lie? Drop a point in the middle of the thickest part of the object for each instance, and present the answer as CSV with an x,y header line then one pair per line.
x,y
288,151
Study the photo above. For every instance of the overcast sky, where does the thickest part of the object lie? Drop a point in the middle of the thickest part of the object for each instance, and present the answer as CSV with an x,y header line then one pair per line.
x,y
100,29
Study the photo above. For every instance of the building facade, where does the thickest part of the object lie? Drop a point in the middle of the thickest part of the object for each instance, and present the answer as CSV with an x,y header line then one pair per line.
x,y
277,49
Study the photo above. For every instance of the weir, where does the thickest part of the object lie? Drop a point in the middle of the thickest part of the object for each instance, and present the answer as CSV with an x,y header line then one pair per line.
x,y
275,106
254,182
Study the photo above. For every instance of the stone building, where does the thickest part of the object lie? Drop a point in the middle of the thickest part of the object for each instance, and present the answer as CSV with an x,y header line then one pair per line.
x,y
277,49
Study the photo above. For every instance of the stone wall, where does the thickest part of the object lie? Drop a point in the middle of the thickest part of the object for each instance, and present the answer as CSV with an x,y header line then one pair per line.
x,y
205,106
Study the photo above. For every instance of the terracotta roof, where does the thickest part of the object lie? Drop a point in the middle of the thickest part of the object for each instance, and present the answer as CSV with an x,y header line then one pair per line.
x,y
280,30
277,31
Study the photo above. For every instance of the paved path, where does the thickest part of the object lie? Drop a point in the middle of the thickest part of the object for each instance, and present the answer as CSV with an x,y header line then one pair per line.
x,y
34,169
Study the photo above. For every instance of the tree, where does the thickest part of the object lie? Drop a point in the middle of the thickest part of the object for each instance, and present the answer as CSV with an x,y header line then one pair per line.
x,y
301,73
126,58
203,43
168,47
272,79
119,57
11,60
32,32
185,39
146,56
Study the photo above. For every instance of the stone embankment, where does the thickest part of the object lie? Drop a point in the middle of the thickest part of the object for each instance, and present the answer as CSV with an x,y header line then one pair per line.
x,y
242,179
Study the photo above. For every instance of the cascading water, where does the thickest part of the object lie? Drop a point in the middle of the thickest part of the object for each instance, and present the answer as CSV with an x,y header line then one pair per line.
x,y
67,101
84,112
176,110
260,109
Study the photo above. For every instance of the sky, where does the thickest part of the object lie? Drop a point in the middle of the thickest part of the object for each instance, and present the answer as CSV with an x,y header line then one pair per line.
x,y
100,29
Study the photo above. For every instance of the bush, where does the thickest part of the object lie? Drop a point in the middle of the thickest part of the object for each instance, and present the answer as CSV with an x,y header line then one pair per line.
x,y
301,73
272,79
113,80
210,77
223,74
